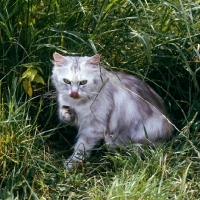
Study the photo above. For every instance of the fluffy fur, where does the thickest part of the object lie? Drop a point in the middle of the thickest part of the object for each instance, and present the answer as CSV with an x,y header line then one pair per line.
x,y
112,106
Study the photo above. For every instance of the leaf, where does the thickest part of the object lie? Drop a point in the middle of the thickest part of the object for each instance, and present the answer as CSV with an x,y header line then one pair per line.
x,y
29,65
41,12
30,74
24,75
39,79
196,25
39,68
27,87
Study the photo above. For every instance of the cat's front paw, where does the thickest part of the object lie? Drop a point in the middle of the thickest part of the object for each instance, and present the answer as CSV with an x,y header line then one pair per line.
x,y
67,115
72,162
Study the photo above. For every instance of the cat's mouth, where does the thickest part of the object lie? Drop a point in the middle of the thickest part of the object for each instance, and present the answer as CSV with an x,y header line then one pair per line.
x,y
74,95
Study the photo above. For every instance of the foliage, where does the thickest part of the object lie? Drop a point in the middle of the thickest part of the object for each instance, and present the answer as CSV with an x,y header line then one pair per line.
x,y
155,40
29,76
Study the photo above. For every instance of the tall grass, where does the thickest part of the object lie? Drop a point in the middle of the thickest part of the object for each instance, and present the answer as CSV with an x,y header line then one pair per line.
x,y
155,40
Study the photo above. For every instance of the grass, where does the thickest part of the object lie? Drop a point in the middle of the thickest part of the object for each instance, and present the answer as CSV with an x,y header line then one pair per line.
x,y
155,40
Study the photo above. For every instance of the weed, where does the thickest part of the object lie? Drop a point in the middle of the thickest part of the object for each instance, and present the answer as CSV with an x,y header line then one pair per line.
x,y
155,40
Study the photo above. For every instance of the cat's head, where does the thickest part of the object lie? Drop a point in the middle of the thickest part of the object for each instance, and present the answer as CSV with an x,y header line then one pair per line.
x,y
77,77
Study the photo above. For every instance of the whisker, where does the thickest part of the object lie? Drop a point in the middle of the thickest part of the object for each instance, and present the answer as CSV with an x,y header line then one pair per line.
x,y
50,95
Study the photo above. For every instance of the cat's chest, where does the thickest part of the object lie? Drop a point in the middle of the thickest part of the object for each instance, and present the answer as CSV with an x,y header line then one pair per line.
x,y
91,115
83,114
82,111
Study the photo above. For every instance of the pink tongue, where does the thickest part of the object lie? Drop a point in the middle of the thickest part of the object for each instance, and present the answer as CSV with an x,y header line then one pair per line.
x,y
74,95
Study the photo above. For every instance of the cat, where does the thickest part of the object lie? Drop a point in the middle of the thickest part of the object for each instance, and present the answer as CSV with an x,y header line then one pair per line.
x,y
112,106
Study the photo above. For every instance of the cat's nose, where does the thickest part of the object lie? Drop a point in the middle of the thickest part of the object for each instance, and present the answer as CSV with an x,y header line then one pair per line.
x,y
74,95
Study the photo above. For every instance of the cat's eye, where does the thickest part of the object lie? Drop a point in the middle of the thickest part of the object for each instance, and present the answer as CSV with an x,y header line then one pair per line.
x,y
66,81
83,82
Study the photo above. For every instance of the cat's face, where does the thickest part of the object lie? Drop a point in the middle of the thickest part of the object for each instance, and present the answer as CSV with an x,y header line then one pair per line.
x,y
77,77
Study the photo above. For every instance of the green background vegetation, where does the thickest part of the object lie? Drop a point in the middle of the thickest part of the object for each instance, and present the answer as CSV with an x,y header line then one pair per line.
x,y
159,41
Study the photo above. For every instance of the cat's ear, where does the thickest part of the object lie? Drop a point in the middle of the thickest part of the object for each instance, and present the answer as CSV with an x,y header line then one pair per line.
x,y
59,60
94,60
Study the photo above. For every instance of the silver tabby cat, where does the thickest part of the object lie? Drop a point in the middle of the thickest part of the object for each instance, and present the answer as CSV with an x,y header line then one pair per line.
x,y
115,107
